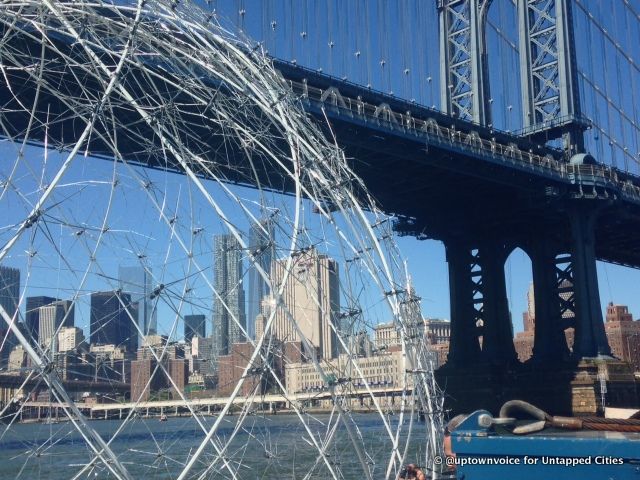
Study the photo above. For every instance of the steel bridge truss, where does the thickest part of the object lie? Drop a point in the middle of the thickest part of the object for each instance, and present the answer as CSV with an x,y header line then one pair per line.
x,y
547,70
550,97
464,80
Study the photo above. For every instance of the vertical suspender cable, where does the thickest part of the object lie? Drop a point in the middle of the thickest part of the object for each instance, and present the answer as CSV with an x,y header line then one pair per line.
x,y
369,55
330,28
402,8
634,85
346,41
357,74
383,43
594,101
318,32
293,32
605,69
304,33
263,22
618,72
421,52
503,90
379,27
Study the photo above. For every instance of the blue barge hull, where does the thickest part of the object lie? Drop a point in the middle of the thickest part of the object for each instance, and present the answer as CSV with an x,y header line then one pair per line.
x,y
493,453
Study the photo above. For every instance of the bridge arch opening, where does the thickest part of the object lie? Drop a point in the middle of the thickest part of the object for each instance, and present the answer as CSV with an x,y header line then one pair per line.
x,y
519,285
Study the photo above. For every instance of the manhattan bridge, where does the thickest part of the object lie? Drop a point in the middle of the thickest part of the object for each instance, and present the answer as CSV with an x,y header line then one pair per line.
x,y
134,132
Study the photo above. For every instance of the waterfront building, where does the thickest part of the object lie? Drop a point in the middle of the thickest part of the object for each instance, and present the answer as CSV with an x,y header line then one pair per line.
x,y
259,379
71,365
112,316
153,341
17,360
148,378
203,355
143,380
380,371
178,369
617,313
194,326
385,335
109,362
231,368
438,333
32,315
9,289
228,305
262,248
311,299
437,330
70,338
136,281
156,346
267,305
51,317
9,299
440,353
623,334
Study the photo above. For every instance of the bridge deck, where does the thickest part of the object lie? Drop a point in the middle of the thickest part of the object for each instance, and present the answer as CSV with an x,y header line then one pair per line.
x,y
455,180
453,177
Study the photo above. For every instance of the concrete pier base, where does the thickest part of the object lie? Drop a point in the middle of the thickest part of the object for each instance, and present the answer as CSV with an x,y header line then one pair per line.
x,y
573,389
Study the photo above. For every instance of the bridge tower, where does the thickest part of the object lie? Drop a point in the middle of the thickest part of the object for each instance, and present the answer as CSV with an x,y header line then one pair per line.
x,y
550,96
464,78
551,109
562,249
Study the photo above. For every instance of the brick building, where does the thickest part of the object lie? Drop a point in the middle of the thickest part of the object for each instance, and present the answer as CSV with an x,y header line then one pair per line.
x,y
178,369
146,363
141,372
623,334
231,368
277,354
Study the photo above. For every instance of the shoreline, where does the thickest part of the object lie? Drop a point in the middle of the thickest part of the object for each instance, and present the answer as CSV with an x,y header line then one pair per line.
x,y
158,415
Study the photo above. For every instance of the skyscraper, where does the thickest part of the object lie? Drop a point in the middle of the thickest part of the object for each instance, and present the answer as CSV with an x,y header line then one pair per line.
x,y
194,326
312,296
136,281
262,247
227,281
32,316
111,323
51,317
9,298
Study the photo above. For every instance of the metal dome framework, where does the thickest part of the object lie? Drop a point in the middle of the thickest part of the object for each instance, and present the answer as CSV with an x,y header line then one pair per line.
x,y
161,84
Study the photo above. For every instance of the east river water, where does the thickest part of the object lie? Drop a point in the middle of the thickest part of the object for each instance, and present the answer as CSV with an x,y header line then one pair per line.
x,y
269,447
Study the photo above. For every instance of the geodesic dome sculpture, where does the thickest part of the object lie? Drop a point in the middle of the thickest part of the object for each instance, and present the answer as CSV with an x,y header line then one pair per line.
x,y
143,136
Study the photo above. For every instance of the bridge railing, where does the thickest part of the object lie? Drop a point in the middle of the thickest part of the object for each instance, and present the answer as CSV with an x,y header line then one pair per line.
x,y
429,128
405,121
